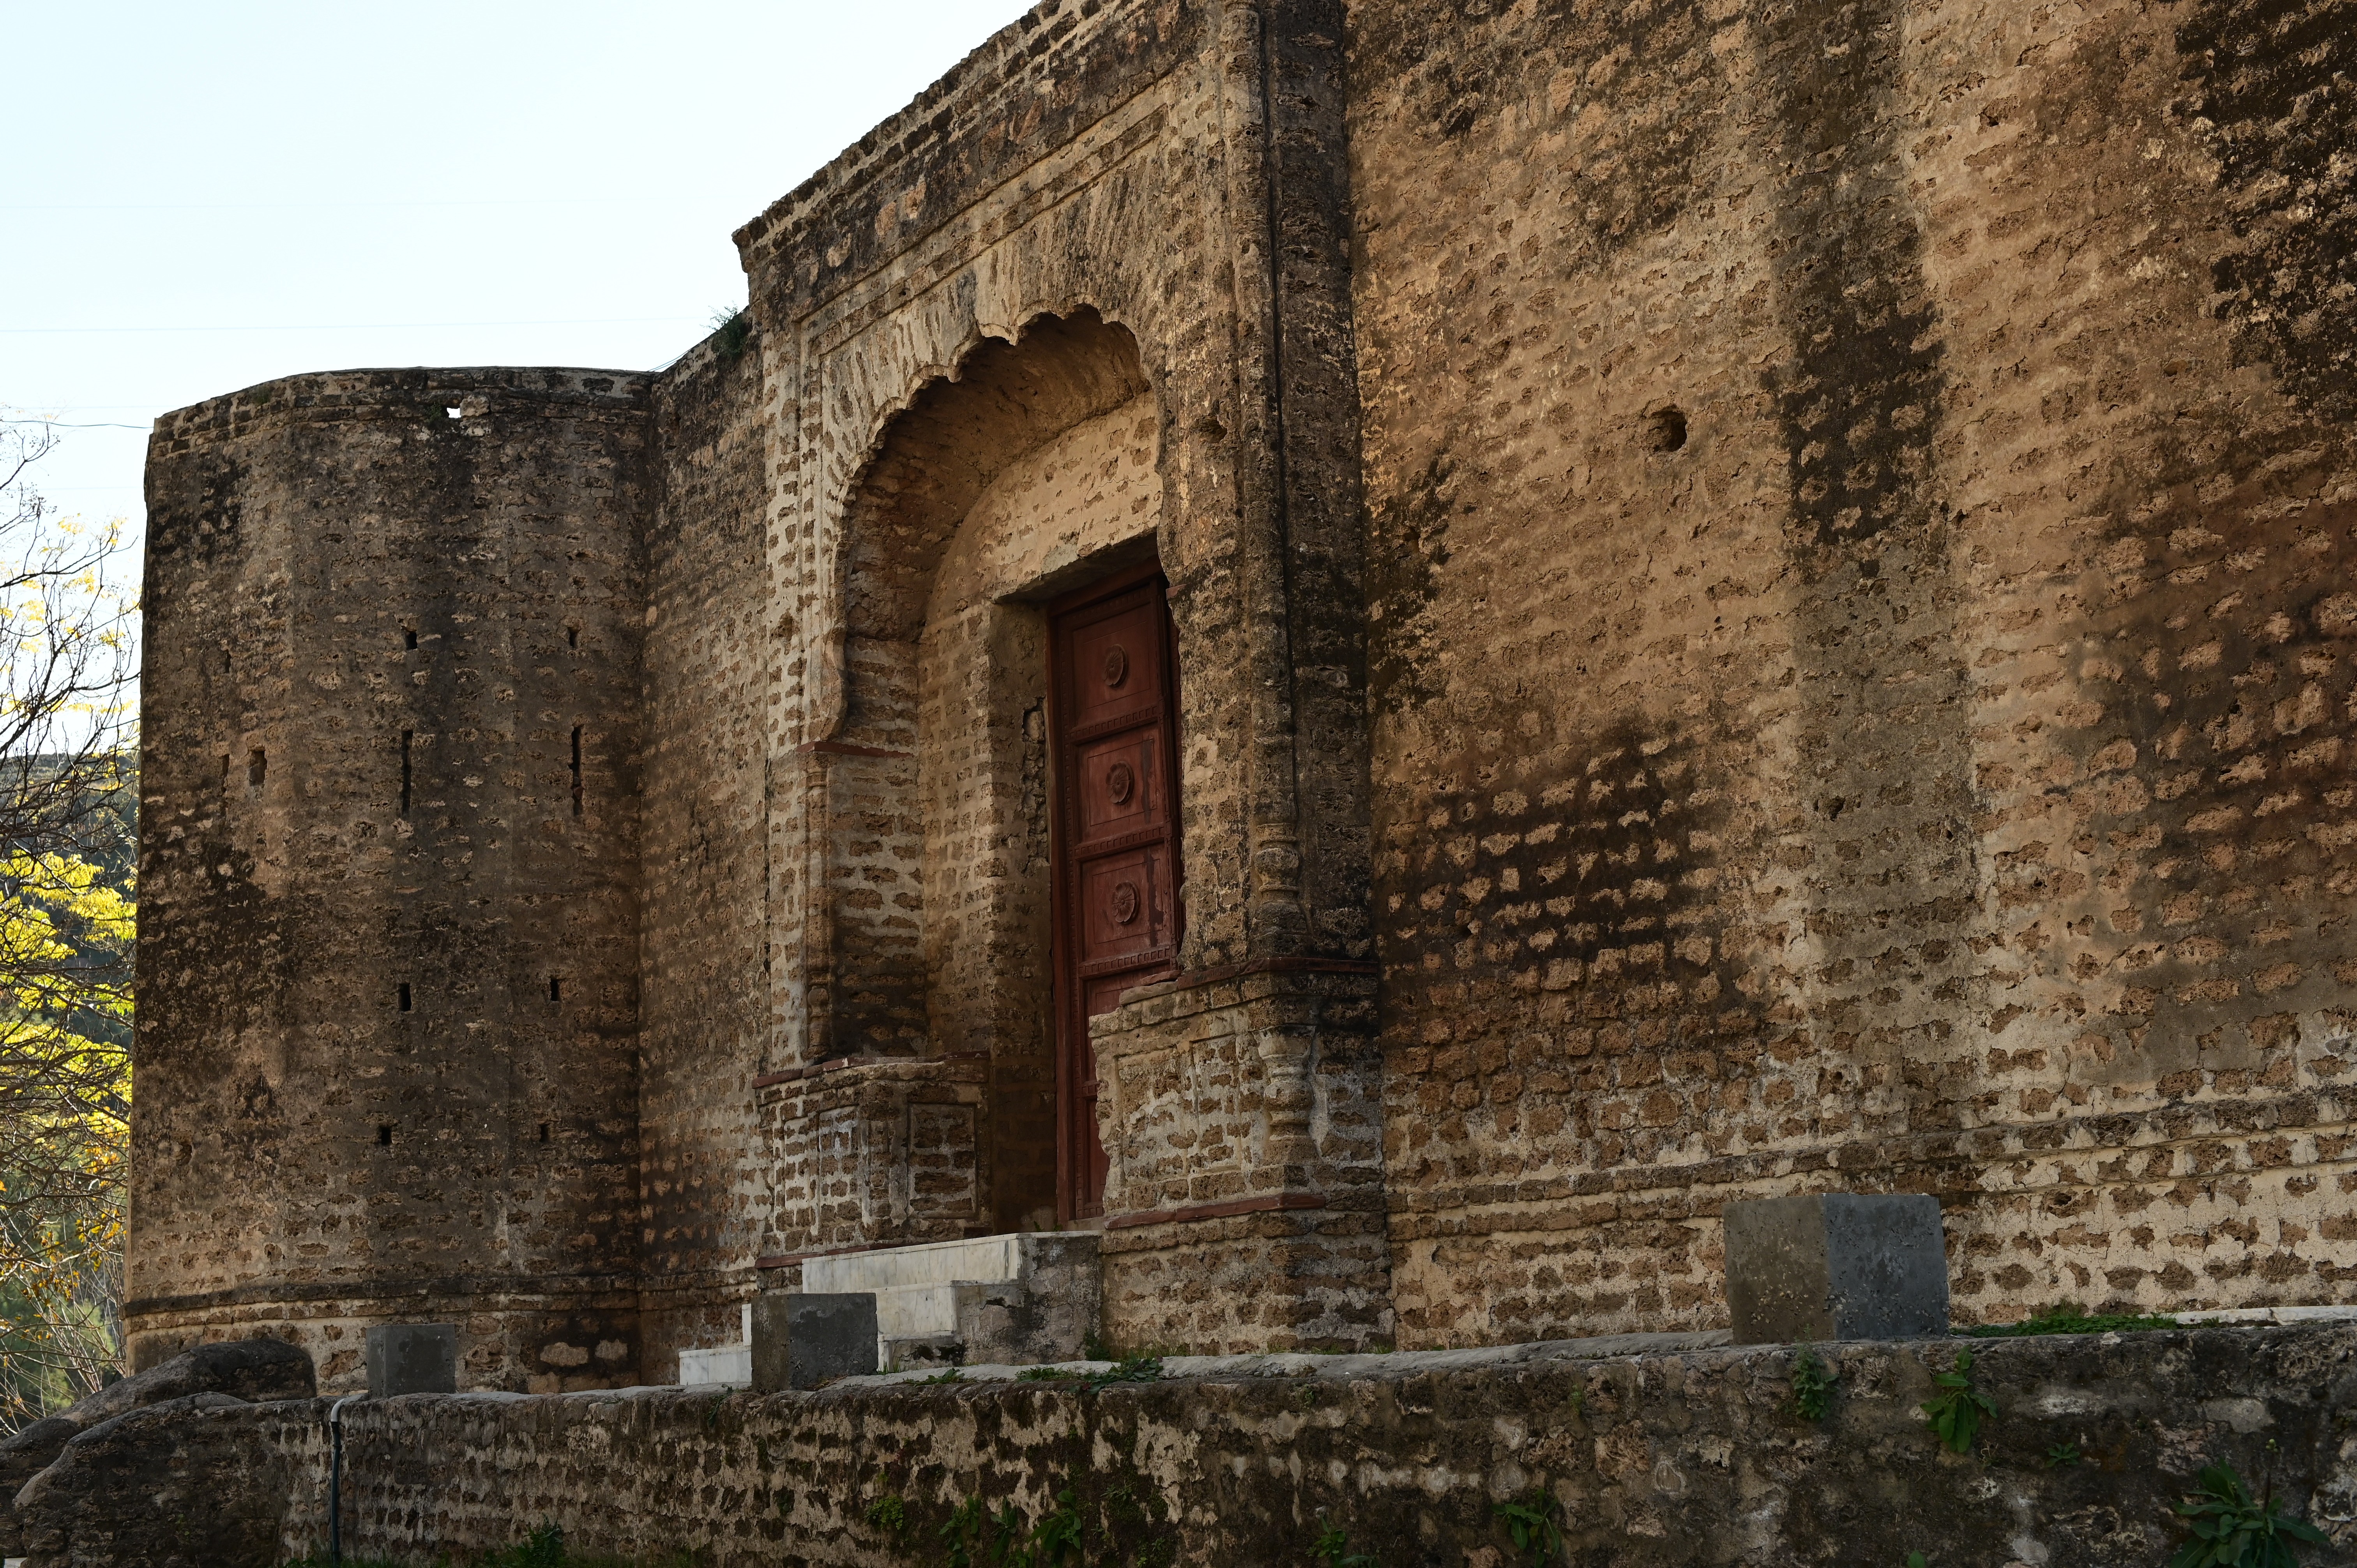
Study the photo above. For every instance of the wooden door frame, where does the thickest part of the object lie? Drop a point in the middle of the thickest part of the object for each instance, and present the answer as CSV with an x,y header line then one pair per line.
x,y
1068,999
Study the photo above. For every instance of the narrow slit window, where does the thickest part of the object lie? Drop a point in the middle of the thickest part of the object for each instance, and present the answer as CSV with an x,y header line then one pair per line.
x,y
409,637
556,988
385,1135
404,995
406,737
572,637
257,766
577,770
543,1132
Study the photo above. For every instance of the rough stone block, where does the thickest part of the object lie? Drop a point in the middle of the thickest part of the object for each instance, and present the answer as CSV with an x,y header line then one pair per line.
x,y
1835,1266
256,1369
801,1339
412,1359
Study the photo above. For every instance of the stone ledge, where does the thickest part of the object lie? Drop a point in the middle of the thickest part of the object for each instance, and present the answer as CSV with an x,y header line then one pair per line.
x,y
1392,1365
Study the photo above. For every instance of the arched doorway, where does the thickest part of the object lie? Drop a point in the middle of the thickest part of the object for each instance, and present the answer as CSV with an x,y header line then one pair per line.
x,y
1030,475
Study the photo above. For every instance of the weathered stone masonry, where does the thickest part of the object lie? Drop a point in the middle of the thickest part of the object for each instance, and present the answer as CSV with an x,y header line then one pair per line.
x,y
1760,607
1657,1454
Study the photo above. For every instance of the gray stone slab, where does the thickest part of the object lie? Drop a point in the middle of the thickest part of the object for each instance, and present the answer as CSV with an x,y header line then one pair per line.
x,y
802,1340
1835,1266
411,1358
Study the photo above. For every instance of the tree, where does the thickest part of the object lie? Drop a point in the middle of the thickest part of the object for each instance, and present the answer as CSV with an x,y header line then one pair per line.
x,y
68,805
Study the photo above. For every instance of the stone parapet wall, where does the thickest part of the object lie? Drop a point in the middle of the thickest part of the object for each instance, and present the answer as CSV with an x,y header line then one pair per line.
x,y
1648,1452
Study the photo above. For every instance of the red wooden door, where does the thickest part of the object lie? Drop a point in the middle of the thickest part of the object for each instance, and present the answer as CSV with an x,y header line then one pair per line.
x,y
1115,729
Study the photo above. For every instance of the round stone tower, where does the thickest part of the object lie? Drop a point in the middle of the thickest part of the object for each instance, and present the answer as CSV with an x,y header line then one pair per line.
x,y
388,1016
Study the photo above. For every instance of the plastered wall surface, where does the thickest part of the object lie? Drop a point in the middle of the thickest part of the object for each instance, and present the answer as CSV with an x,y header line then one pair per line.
x,y
1858,642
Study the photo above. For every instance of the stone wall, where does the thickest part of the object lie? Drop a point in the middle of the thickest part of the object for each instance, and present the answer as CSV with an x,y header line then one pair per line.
x,y
867,1154
1243,1195
1645,1455
1028,331
1771,576
389,871
1860,664
704,1190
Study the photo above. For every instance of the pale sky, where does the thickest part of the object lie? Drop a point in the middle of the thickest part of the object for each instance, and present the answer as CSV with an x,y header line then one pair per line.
x,y
200,196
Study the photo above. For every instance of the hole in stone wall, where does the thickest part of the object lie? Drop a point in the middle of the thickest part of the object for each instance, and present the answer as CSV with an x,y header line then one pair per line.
x,y
224,769
226,658
385,1135
257,765
403,995
1665,429
577,770
450,413
572,637
405,735
409,637
543,1132
556,988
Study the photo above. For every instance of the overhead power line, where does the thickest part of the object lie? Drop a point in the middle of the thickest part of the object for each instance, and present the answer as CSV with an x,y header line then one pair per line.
x,y
365,325
356,206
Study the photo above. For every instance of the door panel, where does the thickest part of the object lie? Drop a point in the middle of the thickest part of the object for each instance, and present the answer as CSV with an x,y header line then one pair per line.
x,y
1125,909
1114,722
1120,785
1116,666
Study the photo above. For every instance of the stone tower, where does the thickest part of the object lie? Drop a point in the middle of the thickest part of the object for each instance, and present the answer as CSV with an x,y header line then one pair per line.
x,y
388,994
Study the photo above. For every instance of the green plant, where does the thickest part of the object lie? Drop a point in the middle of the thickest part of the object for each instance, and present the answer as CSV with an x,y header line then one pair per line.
x,y
2063,1456
1009,1552
1333,1545
2070,1317
731,331
1139,1369
544,1548
1530,1521
962,1534
1812,1386
949,1375
1958,1409
1916,1560
1057,1538
2233,1529
888,1513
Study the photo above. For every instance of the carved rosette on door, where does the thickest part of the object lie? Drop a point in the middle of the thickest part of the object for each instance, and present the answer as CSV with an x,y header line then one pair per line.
x,y
1117,841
